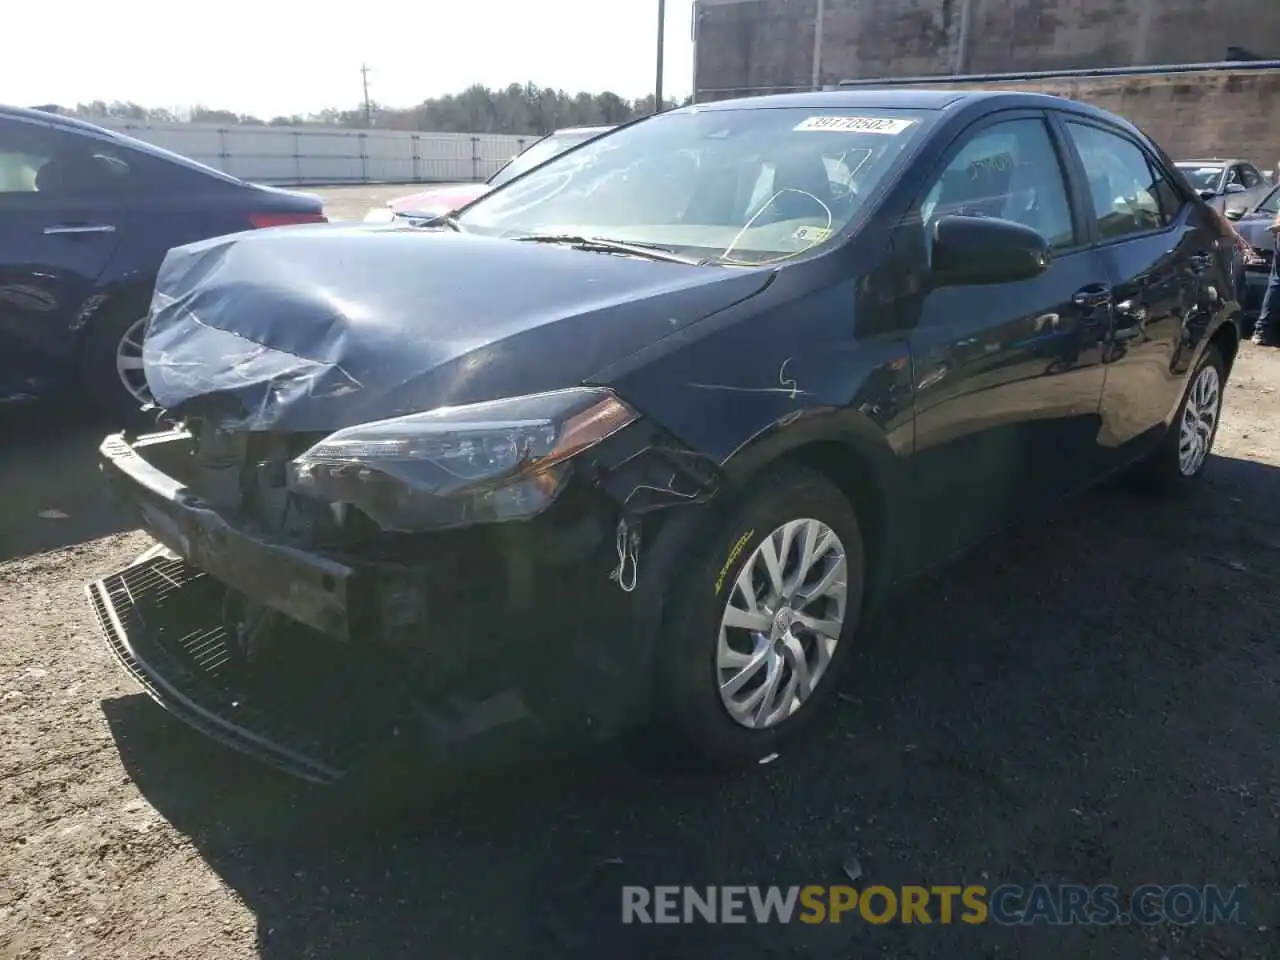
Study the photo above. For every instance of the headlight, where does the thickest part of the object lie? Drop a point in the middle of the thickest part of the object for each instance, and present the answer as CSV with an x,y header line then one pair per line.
x,y
379,215
454,466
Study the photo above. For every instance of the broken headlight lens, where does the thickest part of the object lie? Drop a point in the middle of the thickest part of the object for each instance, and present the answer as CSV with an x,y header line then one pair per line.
x,y
454,466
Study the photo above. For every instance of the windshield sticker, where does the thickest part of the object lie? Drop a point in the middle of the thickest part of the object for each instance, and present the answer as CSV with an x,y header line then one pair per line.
x,y
811,235
885,125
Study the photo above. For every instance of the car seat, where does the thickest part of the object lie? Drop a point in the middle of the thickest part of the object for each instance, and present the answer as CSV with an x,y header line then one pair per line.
x,y
801,171
978,190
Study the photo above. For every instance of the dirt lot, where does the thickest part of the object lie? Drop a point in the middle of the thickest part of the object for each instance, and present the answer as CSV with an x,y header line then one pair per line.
x,y
1093,700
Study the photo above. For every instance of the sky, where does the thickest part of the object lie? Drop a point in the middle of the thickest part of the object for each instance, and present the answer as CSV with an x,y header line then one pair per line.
x,y
278,57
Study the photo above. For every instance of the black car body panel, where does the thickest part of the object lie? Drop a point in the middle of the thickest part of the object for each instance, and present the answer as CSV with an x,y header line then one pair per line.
x,y
945,411
67,258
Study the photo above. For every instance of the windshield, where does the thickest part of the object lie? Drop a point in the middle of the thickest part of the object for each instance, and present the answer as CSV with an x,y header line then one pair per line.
x,y
540,153
747,186
1201,177
1270,204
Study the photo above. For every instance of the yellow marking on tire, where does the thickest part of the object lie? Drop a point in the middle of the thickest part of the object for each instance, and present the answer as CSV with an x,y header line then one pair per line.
x,y
733,555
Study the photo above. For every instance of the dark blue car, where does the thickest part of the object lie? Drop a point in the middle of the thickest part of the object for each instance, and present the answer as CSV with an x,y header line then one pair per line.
x,y
86,216
643,434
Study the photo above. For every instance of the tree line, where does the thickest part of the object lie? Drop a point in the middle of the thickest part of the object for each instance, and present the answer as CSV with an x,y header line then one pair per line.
x,y
516,109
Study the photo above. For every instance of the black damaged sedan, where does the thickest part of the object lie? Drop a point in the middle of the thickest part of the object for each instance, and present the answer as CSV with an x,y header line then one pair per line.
x,y
640,437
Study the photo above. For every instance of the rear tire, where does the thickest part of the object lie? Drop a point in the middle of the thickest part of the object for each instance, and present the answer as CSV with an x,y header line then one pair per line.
x,y
111,364
1177,465
721,647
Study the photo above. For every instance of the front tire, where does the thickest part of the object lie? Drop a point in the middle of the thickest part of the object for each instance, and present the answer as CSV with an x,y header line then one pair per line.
x,y
111,365
763,621
1178,463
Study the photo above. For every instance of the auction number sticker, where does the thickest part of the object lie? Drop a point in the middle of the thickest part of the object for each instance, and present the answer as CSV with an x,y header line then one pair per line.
x,y
890,126
811,235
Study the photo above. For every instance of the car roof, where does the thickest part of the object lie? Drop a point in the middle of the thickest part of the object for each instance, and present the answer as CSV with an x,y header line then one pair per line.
x,y
908,97
53,119
563,130
884,97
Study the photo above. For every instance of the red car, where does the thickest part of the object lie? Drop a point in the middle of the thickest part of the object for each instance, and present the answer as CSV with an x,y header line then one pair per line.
x,y
441,200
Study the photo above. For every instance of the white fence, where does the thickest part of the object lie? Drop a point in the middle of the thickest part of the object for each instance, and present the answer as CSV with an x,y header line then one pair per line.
x,y
317,155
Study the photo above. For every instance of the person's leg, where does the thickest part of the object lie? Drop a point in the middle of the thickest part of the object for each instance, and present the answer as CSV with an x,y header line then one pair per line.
x,y
1265,332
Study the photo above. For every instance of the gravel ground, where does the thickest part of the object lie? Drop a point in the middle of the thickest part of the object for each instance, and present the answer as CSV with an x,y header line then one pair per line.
x,y
1091,700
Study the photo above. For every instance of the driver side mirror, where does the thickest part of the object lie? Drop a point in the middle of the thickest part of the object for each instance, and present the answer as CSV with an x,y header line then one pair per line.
x,y
980,250
1207,194
1235,188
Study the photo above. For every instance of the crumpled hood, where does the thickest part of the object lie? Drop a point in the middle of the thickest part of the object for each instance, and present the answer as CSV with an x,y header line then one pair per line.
x,y
314,328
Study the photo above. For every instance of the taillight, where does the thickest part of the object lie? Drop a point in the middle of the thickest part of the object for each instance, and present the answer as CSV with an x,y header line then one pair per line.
x,y
261,220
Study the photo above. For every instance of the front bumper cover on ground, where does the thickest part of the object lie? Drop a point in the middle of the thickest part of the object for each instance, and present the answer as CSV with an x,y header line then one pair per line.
x,y
150,614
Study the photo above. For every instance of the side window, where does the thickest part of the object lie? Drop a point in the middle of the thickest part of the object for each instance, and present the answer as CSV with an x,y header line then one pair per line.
x,y
1249,176
1170,197
1124,191
24,152
1233,176
1008,170
36,160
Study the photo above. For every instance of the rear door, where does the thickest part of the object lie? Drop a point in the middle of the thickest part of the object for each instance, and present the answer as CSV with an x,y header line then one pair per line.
x,y
60,225
1008,376
1165,263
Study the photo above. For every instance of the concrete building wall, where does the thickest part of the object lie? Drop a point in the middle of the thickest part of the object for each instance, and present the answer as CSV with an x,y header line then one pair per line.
x,y
1217,113
746,44
751,47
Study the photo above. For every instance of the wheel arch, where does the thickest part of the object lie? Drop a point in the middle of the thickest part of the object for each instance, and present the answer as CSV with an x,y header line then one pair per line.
x,y
125,294
1227,339
855,455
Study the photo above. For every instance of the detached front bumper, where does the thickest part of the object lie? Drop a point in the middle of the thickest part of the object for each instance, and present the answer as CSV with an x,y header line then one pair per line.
x,y
365,651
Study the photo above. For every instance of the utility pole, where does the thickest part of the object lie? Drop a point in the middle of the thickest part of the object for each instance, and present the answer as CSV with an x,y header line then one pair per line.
x,y
662,32
368,107
819,20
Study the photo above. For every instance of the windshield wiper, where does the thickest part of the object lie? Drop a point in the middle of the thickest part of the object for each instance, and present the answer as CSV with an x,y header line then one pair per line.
x,y
431,220
652,251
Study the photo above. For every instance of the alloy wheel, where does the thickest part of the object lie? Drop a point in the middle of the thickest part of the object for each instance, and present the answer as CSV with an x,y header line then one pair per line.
x,y
129,362
781,623
1199,420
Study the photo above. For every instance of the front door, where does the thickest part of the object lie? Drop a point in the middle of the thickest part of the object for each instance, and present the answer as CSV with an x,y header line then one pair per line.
x,y
1008,377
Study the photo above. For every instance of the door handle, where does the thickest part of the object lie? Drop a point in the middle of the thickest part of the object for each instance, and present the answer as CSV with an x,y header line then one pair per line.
x,y
1092,297
75,228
